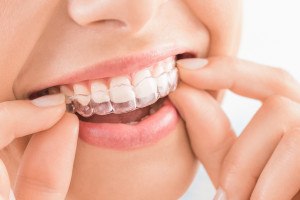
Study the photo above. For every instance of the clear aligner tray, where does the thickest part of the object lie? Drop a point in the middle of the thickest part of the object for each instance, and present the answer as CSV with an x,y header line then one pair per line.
x,y
166,83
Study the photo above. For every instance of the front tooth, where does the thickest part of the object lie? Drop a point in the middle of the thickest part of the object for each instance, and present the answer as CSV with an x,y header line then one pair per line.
x,y
146,92
121,95
141,75
121,90
82,93
99,91
100,96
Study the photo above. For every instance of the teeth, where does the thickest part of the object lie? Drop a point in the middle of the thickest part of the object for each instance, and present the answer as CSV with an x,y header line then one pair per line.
x,y
100,96
121,90
99,91
158,70
132,123
85,111
82,93
163,85
82,99
146,92
123,93
141,75
145,88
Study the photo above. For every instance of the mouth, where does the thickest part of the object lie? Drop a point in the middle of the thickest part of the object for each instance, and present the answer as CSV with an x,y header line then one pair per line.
x,y
127,111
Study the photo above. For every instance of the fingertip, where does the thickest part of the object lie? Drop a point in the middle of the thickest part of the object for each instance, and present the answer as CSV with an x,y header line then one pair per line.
x,y
70,122
53,147
192,63
49,100
187,99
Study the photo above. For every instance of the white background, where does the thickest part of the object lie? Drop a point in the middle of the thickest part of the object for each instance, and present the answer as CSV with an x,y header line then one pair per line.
x,y
271,35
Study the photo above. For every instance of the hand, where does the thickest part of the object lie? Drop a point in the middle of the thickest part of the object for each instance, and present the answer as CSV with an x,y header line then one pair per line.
x,y
46,166
264,162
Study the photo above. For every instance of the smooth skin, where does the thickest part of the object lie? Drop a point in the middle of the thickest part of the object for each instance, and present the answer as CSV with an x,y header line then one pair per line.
x,y
57,133
262,163
49,39
52,163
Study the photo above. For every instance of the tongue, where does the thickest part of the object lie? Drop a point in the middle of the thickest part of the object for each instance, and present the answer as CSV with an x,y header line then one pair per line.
x,y
133,116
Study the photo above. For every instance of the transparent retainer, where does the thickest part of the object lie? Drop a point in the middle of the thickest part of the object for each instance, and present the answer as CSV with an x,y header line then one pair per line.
x,y
166,83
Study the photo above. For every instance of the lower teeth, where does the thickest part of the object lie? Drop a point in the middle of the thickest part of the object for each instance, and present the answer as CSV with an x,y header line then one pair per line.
x,y
132,123
154,108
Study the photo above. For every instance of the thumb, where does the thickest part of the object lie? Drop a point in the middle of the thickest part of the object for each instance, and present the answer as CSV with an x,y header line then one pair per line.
x,y
46,168
208,127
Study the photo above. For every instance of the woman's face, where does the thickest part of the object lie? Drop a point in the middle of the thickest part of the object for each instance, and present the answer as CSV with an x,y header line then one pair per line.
x,y
57,42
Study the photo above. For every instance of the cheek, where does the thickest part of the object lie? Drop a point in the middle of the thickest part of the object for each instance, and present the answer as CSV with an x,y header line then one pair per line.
x,y
6,80
20,27
223,21
154,171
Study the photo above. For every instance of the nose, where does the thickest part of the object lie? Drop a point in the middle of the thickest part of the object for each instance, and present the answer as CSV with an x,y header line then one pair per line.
x,y
130,14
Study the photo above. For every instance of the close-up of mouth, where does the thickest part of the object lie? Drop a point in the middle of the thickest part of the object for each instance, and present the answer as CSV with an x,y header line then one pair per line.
x,y
122,99
124,111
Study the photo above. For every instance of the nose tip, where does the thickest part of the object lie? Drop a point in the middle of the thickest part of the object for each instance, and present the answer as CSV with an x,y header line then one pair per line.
x,y
132,14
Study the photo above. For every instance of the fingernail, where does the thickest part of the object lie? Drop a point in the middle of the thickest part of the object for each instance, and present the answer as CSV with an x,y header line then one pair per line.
x,y
220,195
192,63
49,100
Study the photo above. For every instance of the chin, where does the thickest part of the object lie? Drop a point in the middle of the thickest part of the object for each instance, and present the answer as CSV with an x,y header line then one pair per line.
x,y
164,169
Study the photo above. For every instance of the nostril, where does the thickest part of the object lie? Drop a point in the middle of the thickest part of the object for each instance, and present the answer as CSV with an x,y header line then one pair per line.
x,y
108,23
97,13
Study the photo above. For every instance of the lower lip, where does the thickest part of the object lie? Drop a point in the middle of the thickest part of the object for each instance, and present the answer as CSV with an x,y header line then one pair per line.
x,y
125,137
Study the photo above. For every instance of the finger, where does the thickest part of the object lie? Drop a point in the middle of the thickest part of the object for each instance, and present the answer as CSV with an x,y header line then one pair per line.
x,y
46,168
281,170
4,182
248,156
207,125
242,77
23,117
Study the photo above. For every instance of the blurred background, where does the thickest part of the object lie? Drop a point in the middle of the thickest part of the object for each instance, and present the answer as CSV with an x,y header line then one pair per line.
x,y
271,35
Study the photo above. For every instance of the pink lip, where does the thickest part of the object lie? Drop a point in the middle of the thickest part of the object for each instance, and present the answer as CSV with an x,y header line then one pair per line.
x,y
125,137
122,65
114,67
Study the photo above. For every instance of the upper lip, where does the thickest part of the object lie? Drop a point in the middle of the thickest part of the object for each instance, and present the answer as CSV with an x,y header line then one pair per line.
x,y
113,67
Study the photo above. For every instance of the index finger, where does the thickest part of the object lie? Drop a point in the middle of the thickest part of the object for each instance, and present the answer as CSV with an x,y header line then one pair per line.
x,y
47,163
242,77
24,117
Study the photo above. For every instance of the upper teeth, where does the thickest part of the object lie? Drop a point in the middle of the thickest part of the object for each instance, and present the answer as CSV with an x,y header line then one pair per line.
x,y
123,93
